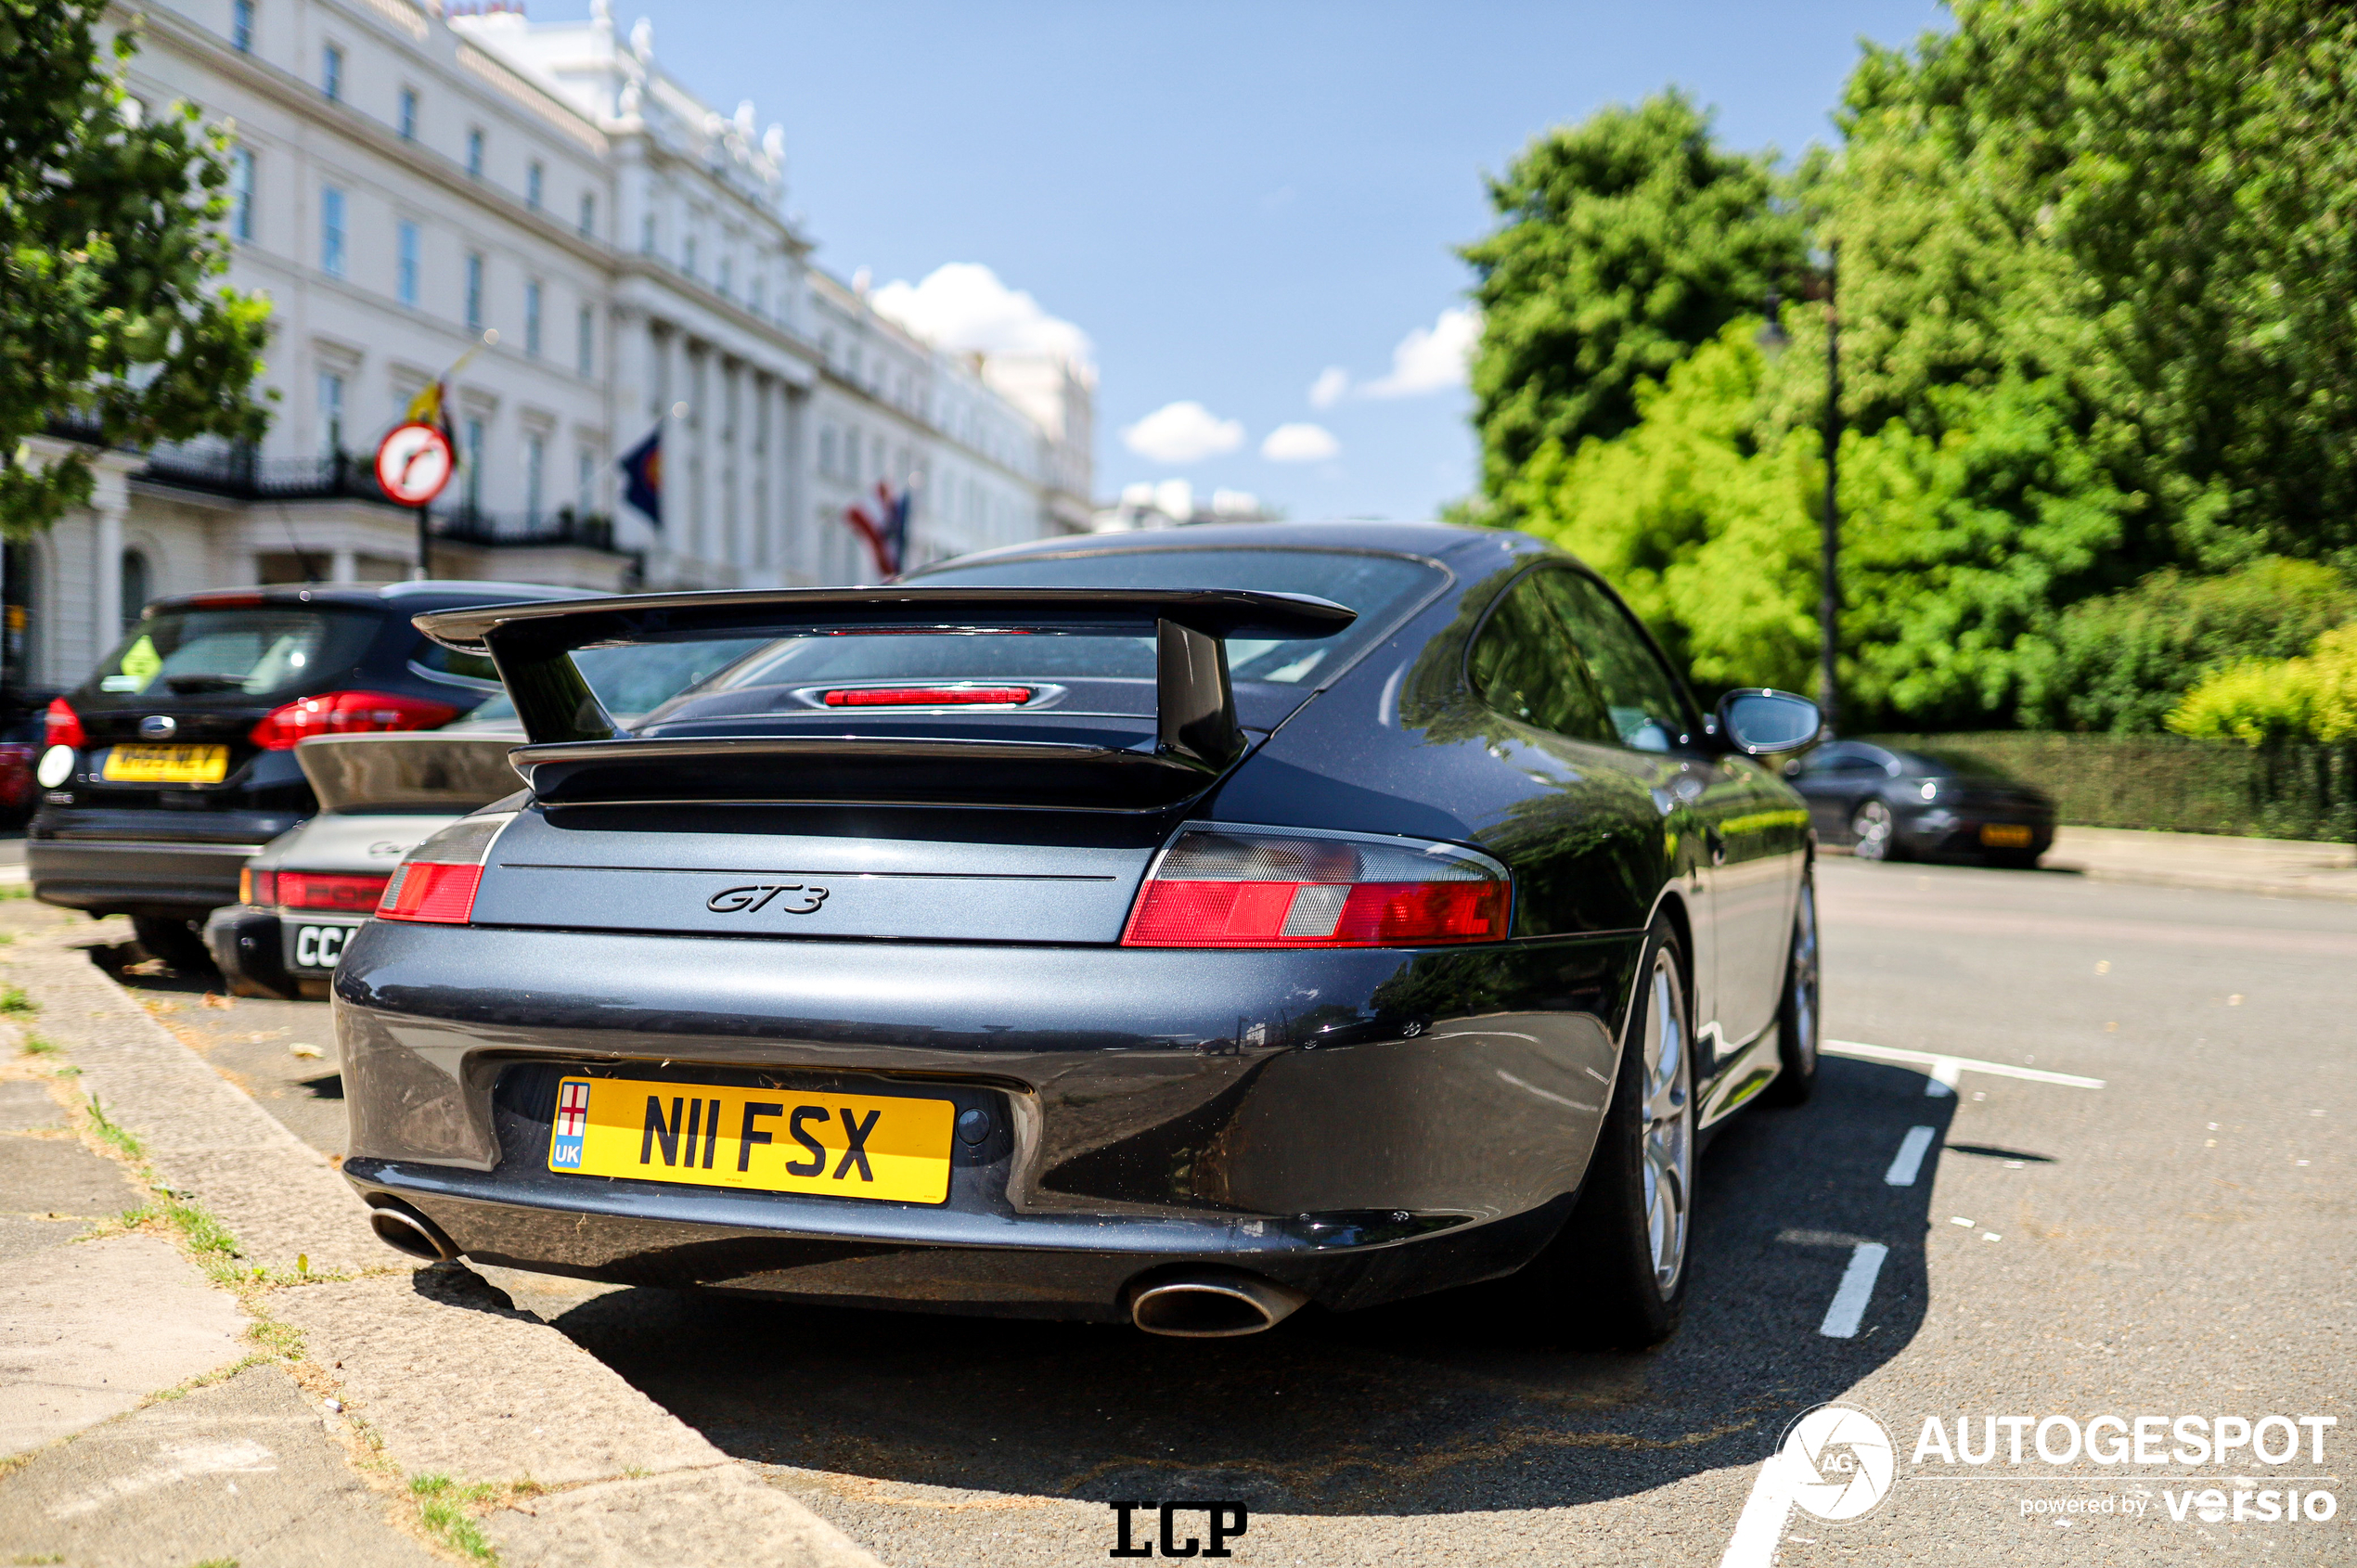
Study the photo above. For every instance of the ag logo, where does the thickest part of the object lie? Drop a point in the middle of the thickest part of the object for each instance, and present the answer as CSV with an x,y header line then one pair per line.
x,y
1838,1461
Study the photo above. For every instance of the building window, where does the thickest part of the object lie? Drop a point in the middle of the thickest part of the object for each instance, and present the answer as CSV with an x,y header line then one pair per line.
x,y
241,26
331,231
241,192
725,265
585,479
688,256
588,214
408,114
759,291
472,436
474,152
647,235
474,290
534,177
532,318
138,585
585,348
331,414
331,73
827,450
535,467
404,263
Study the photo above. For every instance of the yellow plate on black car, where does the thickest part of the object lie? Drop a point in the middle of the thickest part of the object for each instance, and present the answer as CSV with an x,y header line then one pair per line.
x,y
2004,835
166,765
764,1139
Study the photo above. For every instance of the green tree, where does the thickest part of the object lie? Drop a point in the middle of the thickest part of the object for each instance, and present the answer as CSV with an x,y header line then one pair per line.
x,y
1622,243
108,244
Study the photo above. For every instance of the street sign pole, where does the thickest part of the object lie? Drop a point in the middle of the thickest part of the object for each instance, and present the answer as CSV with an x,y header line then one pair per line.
x,y
425,547
414,462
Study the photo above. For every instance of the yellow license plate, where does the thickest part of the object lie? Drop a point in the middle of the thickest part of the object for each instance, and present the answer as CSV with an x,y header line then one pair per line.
x,y
166,765
763,1139
2004,835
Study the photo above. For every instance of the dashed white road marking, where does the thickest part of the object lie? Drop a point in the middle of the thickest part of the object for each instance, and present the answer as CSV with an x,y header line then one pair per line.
x,y
1946,1069
1909,1161
1856,1291
1761,1525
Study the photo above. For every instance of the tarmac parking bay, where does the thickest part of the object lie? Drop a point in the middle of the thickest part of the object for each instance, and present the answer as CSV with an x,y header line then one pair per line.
x,y
2086,1154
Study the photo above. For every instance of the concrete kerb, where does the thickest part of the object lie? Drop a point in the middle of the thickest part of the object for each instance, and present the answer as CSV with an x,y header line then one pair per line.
x,y
434,1370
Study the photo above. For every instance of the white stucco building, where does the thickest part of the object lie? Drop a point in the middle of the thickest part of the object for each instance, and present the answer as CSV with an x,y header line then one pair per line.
x,y
407,185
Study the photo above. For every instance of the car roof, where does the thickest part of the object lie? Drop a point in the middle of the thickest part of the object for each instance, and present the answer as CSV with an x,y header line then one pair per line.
x,y
1428,539
407,598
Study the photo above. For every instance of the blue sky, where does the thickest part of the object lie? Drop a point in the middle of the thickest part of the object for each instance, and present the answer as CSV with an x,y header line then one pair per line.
x,y
1231,199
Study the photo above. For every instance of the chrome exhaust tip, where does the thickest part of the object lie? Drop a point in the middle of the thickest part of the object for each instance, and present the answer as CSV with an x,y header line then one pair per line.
x,y
1212,1307
410,1233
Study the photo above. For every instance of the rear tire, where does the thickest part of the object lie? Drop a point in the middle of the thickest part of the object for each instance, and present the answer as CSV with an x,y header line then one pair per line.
x,y
178,942
1796,1015
1615,1275
1873,832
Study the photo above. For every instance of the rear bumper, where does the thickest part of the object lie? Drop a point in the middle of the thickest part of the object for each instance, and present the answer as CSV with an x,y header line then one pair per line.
x,y
1358,1124
136,876
1943,835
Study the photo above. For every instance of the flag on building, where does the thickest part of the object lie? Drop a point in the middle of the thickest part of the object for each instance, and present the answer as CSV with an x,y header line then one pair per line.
x,y
642,467
431,406
882,522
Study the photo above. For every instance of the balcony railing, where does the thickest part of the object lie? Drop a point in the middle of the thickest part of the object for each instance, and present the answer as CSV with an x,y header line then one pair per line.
x,y
238,474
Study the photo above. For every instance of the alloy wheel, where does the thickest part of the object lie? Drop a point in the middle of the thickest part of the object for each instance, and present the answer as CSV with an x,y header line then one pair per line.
x,y
1804,977
1669,1125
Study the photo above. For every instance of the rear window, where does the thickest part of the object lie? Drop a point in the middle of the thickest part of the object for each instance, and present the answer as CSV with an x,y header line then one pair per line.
x,y
1377,586
633,678
250,651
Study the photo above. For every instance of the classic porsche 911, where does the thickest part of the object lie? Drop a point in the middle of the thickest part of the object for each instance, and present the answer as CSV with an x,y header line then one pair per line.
x,y
1169,927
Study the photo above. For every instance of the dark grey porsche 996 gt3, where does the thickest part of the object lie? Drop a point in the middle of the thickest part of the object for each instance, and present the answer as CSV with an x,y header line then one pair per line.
x,y
1176,928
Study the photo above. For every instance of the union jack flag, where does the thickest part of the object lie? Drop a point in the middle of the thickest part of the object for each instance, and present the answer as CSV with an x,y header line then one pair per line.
x,y
572,1110
884,523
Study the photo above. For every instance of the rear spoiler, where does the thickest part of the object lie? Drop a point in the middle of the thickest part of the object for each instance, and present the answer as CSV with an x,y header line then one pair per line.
x,y
417,771
578,752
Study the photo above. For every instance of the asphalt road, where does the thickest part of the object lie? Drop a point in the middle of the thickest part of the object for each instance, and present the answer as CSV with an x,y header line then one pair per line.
x,y
2176,1242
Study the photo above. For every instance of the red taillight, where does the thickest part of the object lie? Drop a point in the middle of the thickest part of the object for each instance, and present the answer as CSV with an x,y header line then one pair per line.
x,y
437,882
354,893
927,695
348,712
1229,888
257,887
424,891
64,725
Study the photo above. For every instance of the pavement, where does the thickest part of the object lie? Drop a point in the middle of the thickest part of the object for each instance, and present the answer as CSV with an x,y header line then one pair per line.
x,y
206,1356
2291,867
2128,1112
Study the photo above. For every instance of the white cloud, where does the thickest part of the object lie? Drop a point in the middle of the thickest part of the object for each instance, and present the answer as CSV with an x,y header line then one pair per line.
x,y
1429,359
1300,444
964,308
1331,387
1182,433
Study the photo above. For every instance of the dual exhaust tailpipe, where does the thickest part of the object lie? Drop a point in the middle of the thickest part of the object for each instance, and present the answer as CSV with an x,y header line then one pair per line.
x,y
405,1230
1212,1305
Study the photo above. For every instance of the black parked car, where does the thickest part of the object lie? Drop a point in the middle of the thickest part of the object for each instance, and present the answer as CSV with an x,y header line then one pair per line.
x,y
1161,929
1934,805
175,762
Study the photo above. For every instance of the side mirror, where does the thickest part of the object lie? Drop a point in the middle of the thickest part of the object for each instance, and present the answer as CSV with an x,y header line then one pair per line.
x,y
1760,722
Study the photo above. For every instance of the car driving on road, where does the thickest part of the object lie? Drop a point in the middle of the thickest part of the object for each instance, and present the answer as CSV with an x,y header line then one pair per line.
x,y
1168,929
175,762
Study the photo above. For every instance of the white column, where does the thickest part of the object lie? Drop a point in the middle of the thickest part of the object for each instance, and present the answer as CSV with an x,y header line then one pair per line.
x,y
341,568
109,501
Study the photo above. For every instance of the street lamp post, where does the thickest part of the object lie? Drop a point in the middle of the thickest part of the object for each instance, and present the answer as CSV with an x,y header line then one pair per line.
x,y
1773,339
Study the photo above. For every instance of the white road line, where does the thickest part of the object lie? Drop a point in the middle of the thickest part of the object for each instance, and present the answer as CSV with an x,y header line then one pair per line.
x,y
1857,1288
1761,1525
1945,1068
1909,1159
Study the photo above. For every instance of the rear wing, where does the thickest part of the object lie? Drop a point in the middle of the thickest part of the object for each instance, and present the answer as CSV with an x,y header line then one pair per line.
x,y
578,752
420,772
